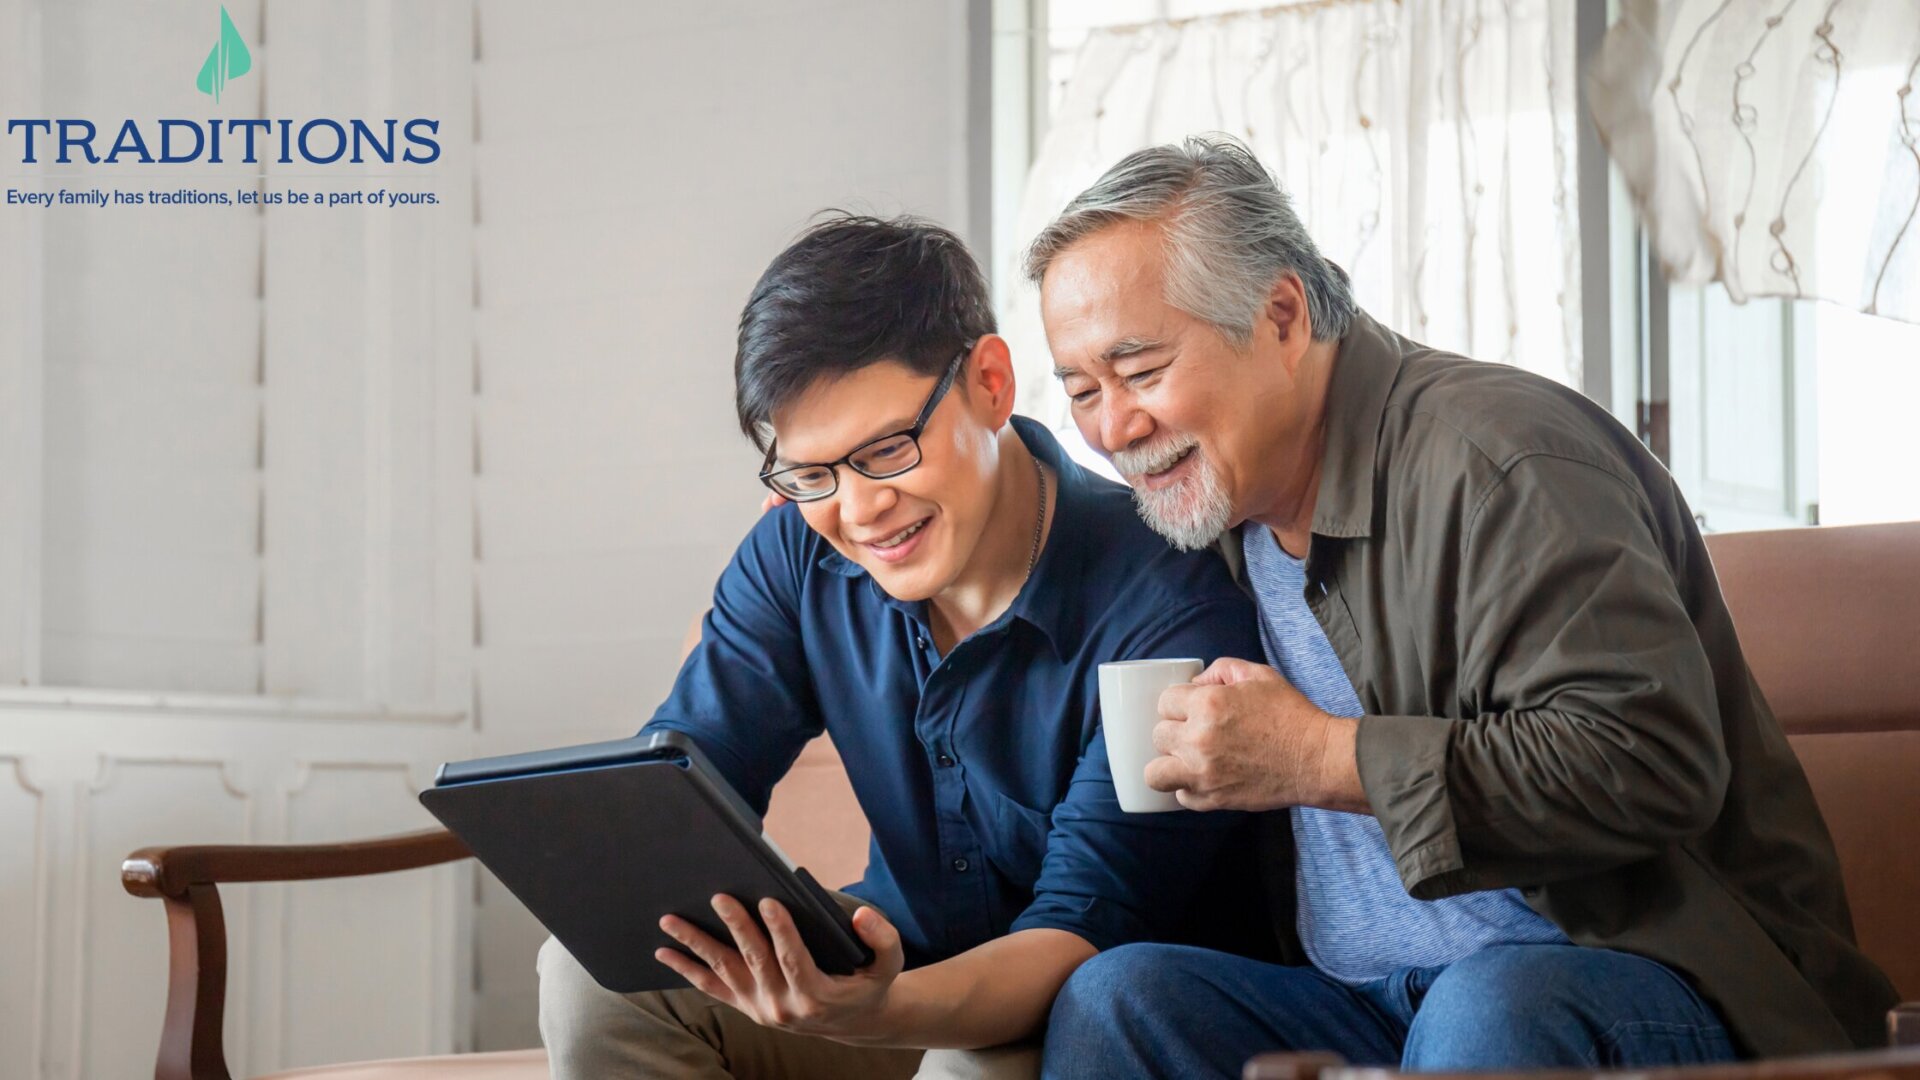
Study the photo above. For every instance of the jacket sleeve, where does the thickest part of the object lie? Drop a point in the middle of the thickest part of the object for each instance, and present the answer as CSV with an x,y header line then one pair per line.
x,y
1590,735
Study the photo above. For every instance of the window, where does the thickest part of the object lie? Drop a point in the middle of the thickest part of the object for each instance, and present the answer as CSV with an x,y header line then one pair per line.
x,y
1771,414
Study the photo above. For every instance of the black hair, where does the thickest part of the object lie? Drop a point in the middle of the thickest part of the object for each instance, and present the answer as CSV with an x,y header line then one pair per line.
x,y
851,292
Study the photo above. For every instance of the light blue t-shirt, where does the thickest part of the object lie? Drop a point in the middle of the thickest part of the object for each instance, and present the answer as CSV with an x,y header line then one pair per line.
x,y
1354,916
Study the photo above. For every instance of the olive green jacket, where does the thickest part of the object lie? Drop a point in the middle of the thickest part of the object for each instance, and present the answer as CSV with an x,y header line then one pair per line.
x,y
1555,697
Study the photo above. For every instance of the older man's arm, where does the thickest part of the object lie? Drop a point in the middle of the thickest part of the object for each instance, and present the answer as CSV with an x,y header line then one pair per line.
x,y
1599,739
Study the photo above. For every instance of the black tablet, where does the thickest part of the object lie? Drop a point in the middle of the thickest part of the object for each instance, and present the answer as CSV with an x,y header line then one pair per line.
x,y
600,841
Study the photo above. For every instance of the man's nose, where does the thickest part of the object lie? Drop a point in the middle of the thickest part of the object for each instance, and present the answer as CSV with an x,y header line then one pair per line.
x,y
1122,425
863,500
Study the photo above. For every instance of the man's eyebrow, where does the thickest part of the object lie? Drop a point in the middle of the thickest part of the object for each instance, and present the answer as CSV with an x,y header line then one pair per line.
x,y
1132,345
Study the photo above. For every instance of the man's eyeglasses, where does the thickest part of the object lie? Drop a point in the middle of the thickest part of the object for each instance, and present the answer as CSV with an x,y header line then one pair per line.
x,y
878,459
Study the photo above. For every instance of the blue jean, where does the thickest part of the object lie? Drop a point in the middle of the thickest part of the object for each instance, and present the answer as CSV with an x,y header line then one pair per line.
x,y
1172,1010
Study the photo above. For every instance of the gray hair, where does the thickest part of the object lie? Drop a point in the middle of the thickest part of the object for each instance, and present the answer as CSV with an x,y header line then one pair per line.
x,y
1230,231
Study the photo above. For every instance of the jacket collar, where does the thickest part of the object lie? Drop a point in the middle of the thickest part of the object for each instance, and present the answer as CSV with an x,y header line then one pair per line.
x,y
1364,370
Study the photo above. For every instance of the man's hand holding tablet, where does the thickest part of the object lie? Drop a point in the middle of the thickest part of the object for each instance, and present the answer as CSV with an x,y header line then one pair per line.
x,y
770,976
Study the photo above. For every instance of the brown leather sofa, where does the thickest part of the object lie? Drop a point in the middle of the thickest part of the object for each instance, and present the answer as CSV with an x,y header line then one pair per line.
x,y
1830,622
1829,619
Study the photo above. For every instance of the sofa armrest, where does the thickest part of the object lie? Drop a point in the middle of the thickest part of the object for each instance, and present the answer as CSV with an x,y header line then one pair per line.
x,y
1903,1025
168,871
186,880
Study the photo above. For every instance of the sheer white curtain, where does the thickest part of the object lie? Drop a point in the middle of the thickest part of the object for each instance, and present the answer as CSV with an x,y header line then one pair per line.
x,y
1428,147
1773,146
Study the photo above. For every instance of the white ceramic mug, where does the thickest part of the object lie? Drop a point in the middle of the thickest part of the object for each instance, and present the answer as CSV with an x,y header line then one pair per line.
x,y
1129,707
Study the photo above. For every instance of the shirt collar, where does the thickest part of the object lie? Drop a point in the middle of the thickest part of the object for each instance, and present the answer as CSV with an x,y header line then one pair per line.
x,y
1364,370
1050,599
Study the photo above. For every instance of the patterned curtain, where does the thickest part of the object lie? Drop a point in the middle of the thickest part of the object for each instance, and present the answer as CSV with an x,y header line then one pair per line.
x,y
1773,145
1428,147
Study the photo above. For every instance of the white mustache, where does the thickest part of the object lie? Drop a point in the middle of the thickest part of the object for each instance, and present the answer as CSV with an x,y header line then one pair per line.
x,y
1152,459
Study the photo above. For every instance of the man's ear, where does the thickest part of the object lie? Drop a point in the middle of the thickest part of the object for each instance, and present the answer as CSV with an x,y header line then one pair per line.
x,y
990,381
1288,318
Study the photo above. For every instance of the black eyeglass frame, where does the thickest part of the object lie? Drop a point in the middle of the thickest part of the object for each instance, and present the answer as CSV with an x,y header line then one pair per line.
x,y
768,472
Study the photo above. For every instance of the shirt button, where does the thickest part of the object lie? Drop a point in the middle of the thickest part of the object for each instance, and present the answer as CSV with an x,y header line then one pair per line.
x,y
960,866
945,761
921,641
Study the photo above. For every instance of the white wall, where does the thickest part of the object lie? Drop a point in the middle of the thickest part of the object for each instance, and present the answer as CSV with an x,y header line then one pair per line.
x,y
235,538
478,465
638,164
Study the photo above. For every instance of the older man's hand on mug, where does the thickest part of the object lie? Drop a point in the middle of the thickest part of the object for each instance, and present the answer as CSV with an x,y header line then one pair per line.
x,y
1240,737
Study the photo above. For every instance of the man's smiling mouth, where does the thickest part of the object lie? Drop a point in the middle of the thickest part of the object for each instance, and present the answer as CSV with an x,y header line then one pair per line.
x,y
1175,463
900,537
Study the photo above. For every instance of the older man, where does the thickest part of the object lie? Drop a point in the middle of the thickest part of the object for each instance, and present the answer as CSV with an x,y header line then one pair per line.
x,y
1540,813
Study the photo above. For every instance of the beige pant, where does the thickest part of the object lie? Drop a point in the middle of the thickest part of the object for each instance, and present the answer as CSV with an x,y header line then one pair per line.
x,y
592,1033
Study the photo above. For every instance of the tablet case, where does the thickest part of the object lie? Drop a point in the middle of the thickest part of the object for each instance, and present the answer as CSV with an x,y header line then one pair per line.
x,y
600,841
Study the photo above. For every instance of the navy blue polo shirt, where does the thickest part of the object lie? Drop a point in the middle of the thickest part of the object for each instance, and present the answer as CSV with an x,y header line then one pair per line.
x,y
982,772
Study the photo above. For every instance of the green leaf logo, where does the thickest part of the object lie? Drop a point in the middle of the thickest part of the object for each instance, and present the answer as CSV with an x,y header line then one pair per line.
x,y
228,60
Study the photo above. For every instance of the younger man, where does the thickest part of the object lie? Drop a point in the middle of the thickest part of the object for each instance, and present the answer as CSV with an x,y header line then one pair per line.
x,y
938,598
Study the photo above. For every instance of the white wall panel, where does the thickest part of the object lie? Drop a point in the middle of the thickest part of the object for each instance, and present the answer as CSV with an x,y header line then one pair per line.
x,y
639,427
368,347
184,512
150,359
522,179
21,311
158,596
534,695
356,982
20,471
98,417
608,509
594,597
23,930
164,294
677,337
318,378
514,29
154,664
155,334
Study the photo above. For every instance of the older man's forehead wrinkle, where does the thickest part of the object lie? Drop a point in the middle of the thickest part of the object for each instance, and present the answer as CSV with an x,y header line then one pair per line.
x,y
1131,345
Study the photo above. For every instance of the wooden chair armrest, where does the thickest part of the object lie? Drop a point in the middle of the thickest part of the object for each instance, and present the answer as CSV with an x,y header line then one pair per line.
x,y
167,871
1290,1066
187,880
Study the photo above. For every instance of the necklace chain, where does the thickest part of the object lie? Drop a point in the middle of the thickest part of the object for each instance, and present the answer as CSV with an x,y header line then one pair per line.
x,y
1039,519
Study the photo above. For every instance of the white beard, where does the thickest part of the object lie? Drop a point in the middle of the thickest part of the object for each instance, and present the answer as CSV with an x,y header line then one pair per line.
x,y
1192,513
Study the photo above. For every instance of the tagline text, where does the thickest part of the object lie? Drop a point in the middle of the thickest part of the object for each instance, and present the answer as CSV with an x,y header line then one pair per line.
x,y
105,198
